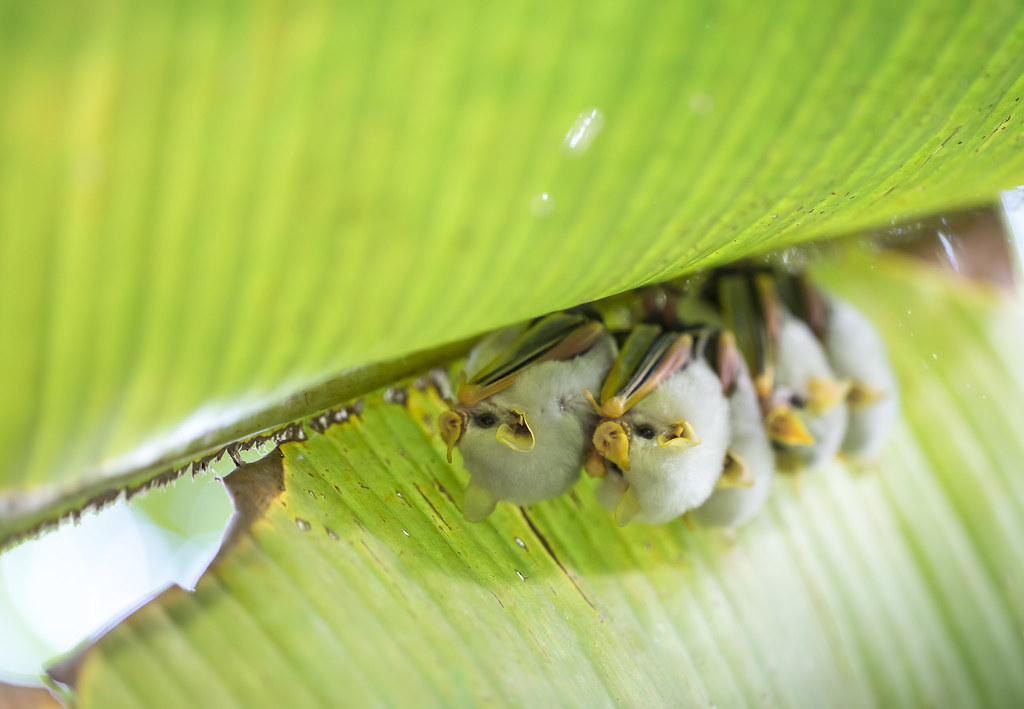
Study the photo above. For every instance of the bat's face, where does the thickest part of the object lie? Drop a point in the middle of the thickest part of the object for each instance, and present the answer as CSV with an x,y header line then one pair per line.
x,y
525,443
668,449
808,414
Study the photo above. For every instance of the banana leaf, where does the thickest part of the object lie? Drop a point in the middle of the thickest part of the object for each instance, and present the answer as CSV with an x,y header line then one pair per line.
x,y
211,209
218,218
350,574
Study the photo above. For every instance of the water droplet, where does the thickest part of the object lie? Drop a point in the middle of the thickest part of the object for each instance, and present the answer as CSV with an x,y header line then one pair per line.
x,y
542,204
405,533
934,356
520,542
302,524
701,103
583,131
521,577
331,534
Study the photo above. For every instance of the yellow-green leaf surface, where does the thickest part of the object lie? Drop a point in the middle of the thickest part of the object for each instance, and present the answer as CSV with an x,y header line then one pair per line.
x,y
206,207
358,580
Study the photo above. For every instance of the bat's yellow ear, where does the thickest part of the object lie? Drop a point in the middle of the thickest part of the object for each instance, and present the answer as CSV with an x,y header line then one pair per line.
x,y
825,393
862,395
452,425
611,441
735,473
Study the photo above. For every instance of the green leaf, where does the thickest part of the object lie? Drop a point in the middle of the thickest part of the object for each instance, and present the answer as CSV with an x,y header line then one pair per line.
x,y
209,207
360,580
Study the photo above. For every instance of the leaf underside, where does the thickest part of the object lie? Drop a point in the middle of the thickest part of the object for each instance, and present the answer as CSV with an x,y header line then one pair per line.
x,y
206,210
894,586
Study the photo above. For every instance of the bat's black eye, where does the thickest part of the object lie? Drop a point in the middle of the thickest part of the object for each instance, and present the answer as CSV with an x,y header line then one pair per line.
x,y
797,401
485,420
645,432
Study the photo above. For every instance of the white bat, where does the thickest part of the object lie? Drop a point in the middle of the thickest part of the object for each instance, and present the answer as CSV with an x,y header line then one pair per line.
x,y
522,421
664,430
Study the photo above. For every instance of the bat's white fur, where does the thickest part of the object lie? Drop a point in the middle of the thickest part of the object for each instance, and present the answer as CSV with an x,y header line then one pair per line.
x,y
799,358
668,481
858,353
748,439
551,395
